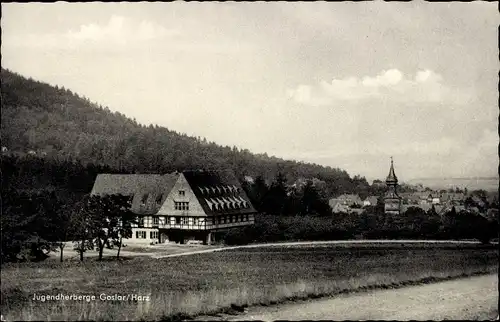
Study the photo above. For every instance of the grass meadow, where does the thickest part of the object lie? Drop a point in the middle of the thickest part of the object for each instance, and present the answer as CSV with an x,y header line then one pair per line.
x,y
212,282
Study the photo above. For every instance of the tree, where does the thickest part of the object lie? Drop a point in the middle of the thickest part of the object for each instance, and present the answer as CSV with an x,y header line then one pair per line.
x,y
110,219
25,230
126,219
275,199
58,222
82,226
309,198
312,202
260,189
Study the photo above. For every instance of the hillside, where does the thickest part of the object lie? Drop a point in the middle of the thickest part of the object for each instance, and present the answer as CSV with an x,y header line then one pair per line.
x,y
60,124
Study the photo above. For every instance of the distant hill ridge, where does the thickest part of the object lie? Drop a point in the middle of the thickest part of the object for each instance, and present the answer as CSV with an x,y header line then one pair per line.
x,y
471,183
455,178
40,117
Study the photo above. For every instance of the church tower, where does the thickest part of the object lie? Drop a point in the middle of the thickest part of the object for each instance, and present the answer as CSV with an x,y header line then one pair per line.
x,y
392,200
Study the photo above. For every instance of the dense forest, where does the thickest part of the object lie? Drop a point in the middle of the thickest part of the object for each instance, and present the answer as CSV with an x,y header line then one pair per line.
x,y
61,125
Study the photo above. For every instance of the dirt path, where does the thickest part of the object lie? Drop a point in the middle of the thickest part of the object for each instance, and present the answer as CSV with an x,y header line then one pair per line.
x,y
312,243
158,252
463,299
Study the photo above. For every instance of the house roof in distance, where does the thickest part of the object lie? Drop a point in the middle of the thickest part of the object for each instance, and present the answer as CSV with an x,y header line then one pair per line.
x,y
219,192
137,186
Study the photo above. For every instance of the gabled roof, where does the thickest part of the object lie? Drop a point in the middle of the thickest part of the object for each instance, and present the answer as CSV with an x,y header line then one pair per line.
x,y
339,207
138,186
350,197
219,192
333,202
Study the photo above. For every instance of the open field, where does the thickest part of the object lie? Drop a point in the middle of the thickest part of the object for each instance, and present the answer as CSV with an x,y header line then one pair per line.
x,y
204,283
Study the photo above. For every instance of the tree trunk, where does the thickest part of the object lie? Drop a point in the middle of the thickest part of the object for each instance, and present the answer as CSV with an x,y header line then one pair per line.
x,y
82,248
61,248
101,247
119,248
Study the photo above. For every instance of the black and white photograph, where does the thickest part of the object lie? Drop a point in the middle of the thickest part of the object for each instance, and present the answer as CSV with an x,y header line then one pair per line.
x,y
249,161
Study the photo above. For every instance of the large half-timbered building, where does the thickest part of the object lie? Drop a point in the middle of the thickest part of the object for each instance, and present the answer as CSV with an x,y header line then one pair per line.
x,y
180,207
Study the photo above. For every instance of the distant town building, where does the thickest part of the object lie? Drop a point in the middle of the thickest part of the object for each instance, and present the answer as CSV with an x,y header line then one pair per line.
x,y
338,206
436,200
350,200
249,179
392,200
370,201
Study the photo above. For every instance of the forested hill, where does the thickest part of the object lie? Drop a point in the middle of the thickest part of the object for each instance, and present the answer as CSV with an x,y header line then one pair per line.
x,y
62,125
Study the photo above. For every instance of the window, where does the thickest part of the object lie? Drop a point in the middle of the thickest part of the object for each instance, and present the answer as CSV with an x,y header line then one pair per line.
x,y
153,235
158,198
195,221
182,193
246,217
178,220
183,205
185,220
141,234
140,222
144,199
156,221
231,218
219,220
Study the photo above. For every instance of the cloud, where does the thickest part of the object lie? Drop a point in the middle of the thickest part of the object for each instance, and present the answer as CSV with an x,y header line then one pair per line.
x,y
113,29
425,86
120,30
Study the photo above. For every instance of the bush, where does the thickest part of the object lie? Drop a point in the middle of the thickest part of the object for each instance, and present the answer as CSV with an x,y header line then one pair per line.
x,y
415,224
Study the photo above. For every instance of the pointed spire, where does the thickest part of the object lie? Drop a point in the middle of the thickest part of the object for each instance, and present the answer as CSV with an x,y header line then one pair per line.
x,y
391,178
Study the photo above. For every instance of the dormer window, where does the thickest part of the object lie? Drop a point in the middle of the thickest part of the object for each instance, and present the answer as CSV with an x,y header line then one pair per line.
x,y
144,199
182,193
217,204
229,203
140,222
210,205
235,203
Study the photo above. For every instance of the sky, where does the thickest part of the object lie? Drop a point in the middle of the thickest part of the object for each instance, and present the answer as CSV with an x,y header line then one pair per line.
x,y
341,84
